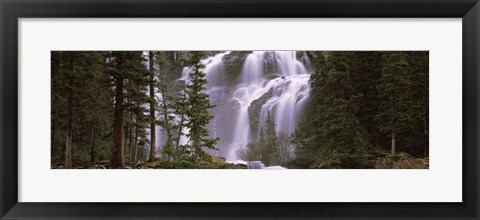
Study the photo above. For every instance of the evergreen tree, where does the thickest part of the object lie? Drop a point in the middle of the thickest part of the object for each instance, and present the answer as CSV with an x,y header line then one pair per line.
x,y
153,104
181,108
197,114
337,137
394,92
269,147
166,105
72,74
123,66
419,61
365,70
362,107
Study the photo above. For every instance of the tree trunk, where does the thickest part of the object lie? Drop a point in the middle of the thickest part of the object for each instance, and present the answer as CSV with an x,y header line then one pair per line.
x,y
117,151
182,119
125,140
425,134
92,147
394,146
152,109
425,112
69,134
130,143
52,139
167,121
135,153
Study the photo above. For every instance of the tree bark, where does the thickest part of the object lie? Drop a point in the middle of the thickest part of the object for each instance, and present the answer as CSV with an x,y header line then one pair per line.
x,y
182,119
394,145
152,109
425,111
69,134
135,146
425,134
167,123
130,143
117,151
125,140
92,147
52,139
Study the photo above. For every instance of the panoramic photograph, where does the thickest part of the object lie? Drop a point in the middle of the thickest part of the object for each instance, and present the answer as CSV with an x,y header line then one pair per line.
x,y
239,110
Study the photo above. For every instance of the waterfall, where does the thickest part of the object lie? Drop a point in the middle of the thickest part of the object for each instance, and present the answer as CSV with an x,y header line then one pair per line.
x,y
213,69
253,68
280,78
290,94
286,76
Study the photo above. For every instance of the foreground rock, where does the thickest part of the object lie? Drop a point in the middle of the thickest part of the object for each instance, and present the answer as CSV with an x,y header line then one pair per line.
x,y
219,160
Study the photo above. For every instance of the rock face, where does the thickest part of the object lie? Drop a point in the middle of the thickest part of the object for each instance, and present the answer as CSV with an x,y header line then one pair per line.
x,y
233,64
401,161
254,112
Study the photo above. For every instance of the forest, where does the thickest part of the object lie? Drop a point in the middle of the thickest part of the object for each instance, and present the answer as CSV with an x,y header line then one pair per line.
x,y
239,109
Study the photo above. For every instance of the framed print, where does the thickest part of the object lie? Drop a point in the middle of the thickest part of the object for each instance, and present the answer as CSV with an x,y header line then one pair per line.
x,y
226,109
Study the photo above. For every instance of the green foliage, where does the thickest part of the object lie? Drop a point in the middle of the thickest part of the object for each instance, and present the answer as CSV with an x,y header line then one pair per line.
x,y
191,164
394,91
356,99
165,104
197,116
90,76
79,73
272,149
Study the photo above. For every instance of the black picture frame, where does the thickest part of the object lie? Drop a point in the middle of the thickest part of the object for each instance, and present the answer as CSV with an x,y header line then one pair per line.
x,y
12,10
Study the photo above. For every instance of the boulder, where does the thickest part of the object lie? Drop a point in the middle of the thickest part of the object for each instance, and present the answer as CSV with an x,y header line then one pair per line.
x,y
219,160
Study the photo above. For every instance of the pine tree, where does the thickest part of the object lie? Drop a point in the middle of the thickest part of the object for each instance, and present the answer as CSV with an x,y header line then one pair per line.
x,y
336,134
394,92
153,105
419,60
73,74
197,114
123,66
365,70
166,105
181,108
270,145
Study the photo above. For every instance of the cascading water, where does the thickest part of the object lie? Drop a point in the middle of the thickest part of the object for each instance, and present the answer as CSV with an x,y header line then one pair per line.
x,y
252,70
290,95
213,68
281,78
287,77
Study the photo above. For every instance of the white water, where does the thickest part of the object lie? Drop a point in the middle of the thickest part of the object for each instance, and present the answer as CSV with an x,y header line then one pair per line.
x,y
288,78
290,87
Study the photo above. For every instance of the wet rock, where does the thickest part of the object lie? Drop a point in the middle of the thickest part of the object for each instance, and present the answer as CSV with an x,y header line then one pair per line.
x,y
233,64
254,111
